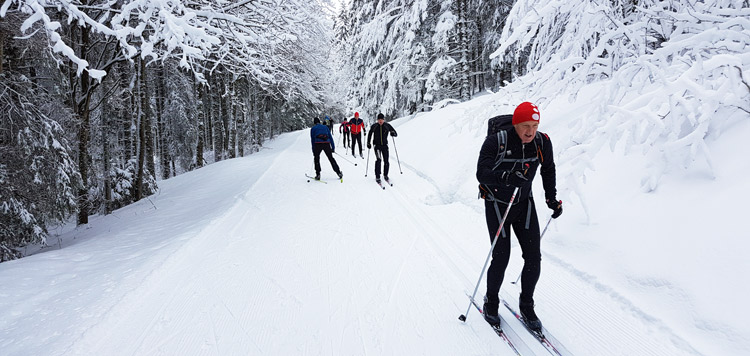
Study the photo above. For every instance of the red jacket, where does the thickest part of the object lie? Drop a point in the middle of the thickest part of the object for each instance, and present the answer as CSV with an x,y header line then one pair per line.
x,y
357,126
344,127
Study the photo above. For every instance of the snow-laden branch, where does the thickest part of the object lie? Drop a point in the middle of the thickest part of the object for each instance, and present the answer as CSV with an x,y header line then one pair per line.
x,y
670,76
246,36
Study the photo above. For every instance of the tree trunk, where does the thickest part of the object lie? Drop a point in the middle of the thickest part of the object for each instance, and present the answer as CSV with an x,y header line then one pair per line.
x,y
464,43
231,122
199,149
208,116
141,130
84,114
241,132
481,66
106,162
125,114
202,118
2,44
162,137
148,126
218,121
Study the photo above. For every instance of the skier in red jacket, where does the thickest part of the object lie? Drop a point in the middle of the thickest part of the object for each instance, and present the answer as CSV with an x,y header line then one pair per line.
x,y
357,127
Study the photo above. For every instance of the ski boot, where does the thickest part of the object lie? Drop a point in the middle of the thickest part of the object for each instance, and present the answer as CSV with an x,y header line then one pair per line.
x,y
529,317
489,310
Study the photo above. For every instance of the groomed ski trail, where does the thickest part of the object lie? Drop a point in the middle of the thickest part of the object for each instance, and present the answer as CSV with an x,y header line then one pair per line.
x,y
345,269
326,270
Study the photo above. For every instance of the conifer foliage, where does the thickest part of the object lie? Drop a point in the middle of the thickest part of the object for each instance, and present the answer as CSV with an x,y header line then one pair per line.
x,y
102,99
38,177
406,56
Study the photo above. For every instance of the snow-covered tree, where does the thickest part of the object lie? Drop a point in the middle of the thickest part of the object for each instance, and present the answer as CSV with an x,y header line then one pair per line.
x,y
38,176
407,55
166,86
662,95
386,56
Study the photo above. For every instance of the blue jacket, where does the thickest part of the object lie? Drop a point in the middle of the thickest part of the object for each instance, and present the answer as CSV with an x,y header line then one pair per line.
x,y
321,134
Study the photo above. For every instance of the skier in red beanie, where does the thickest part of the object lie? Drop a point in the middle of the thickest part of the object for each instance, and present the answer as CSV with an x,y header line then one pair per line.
x,y
357,127
508,161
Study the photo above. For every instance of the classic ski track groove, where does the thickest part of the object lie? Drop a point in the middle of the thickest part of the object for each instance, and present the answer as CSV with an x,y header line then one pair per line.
x,y
427,223
630,337
571,297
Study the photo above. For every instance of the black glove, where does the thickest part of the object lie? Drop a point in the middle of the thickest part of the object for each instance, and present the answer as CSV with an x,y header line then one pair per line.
x,y
369,146
394,134
514,178
556,206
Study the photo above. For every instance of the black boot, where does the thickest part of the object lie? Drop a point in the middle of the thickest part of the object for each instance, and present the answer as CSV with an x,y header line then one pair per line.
x,y
341,175
529,317
317,176
490,311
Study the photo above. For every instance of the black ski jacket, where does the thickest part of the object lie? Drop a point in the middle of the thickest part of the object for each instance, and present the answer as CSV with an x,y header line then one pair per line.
x,y
517,155
379,134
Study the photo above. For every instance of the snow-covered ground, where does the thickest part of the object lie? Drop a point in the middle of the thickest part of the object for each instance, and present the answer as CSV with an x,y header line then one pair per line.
x,y
245,257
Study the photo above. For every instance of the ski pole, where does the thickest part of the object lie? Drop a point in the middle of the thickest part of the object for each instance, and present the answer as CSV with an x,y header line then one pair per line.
x,y
540,237
367,166
344,158
494,241
397,160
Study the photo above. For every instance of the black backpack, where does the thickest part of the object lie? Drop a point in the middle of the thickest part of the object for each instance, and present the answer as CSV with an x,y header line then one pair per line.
x,y
499,126
500,122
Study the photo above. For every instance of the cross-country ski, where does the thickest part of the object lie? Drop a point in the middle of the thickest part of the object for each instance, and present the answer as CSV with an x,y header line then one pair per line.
x,y
549,342
311,178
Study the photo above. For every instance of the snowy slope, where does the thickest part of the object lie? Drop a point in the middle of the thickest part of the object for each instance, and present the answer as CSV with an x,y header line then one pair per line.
x,y
245,257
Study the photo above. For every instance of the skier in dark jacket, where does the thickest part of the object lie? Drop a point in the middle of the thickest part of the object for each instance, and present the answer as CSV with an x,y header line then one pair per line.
x,y
526,151
329,122
378,136
321,139
344,129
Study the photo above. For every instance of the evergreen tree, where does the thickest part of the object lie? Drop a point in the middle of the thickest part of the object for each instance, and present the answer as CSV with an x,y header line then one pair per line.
x,y
38,176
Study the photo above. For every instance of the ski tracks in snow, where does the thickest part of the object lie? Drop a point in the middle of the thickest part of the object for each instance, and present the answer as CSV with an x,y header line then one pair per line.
x,y
346,269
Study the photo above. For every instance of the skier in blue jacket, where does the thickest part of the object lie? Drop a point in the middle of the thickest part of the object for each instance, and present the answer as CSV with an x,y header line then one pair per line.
x,y
320,136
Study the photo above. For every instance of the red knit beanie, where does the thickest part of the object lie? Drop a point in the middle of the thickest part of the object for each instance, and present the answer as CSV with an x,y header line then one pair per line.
x,y
356,114
525,111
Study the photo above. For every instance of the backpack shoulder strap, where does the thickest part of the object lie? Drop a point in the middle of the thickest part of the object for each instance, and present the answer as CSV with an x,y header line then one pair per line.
x,y
502,140
539,141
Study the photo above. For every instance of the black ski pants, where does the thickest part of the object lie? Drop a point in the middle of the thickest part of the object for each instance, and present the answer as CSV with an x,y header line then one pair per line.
x,y
522,217
381,154
325,147
357,138
346,139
